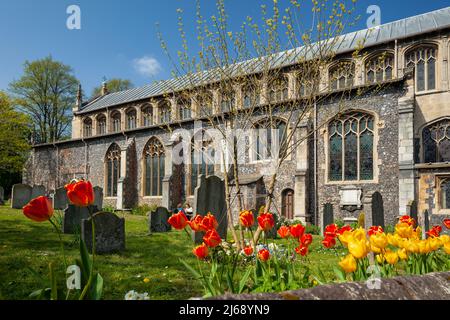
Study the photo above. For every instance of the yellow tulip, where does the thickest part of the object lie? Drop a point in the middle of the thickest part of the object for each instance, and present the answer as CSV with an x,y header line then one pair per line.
x,y
391,257
447,247
375,249
424,246
359,234
444,238
393,239
359,249
346,237
404,230
348,264
402,254
380,258
434,243
418,233
379,240
412,246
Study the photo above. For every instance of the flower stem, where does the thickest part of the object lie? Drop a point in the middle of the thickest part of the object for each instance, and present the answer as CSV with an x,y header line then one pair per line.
x,y
91,275
58,231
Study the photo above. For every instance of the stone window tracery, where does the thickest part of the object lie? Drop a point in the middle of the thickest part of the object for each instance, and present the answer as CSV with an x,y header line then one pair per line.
x,y
342,75
380,68
436,142
423,59
112,175
154,165
202,158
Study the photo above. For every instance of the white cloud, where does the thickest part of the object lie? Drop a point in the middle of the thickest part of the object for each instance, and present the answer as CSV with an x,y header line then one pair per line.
x,y
147,66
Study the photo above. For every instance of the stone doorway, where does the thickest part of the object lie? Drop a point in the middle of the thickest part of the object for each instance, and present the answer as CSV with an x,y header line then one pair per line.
x,y
287,205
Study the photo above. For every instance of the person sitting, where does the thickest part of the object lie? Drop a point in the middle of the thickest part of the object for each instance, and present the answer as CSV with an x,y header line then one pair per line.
x,y
188,211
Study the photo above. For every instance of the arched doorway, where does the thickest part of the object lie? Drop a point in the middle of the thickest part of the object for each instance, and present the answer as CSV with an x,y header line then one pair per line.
x,y
287,205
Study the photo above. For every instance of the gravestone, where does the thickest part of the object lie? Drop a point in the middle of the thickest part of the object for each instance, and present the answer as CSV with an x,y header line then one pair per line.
x,y
109,233
60,200
426,221
412,208
2,195
210,197
98,198
377,210
157,220
328,217
73,216
21,195
37,191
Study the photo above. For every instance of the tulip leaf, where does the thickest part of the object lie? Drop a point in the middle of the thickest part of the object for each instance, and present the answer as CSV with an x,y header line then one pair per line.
x,y
339,273
192,270
54,287
243,281
85,258
97,287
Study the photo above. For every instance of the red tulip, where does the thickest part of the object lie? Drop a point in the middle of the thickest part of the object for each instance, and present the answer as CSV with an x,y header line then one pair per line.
x,y
375,230
209,222
212,238
247,219
266,221
80,193
446,223
263,255
302,250
434,232
284,232
331,230
297,231
201,251
39,209
179,221
248,250
407,219
306,239
343,229
329,242
196,224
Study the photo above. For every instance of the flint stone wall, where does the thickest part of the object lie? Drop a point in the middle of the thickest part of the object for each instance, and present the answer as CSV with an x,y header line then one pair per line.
x,y
433,286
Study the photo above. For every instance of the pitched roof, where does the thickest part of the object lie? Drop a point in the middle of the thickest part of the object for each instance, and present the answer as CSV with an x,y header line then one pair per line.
x,y
408,27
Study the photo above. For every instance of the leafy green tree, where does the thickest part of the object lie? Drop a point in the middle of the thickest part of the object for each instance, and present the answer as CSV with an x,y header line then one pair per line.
x,y
47,92
14,145
114,85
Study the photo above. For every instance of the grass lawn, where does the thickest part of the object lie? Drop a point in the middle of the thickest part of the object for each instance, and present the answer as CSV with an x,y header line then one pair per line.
x,y
25,244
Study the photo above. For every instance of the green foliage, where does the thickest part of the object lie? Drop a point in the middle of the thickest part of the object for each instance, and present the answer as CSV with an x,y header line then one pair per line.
x,y
312,229
113,85
109,209
143,210
46,92
340,223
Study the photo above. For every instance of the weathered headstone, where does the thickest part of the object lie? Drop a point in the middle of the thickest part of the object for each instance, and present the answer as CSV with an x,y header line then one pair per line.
x,y
328,217
21,195
109,233
158,220
98,197
210,197
60,200
426,221
2,195
412,210
37,191
377,210
72,218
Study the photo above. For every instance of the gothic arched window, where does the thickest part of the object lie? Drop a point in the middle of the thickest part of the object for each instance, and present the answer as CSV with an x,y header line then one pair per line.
x,y
115,121
87,128
185,111
250,96
154,167
342,75
423,59
112,161
380,68
278,89
444,191
227,101
351,147
270,138
131,119
147,116
165,112
202,158
205,104
436,142
101,125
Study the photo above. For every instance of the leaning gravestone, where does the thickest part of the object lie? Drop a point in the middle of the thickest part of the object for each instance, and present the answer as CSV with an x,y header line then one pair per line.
x,y
2,195
98,197
210,197
21,195
60,200
377,210
158,220
109,233
37,191
73,216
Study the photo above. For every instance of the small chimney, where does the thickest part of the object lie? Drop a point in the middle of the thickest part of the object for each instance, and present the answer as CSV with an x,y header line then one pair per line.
x,y
104,88
79,101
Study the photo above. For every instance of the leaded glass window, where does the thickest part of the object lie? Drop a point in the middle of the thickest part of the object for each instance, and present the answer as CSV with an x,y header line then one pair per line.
x,y
112,161
444,193
351,144
270,138
227,101
154,165
131,119
278,90
165,113
380,68
116,119
424,61
147,116
184,109
87,128
342,75
202,158
101,125
250,97
205,104
436,142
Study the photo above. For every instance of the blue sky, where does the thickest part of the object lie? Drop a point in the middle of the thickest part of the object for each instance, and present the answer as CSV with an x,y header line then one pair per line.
x,y
119,39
